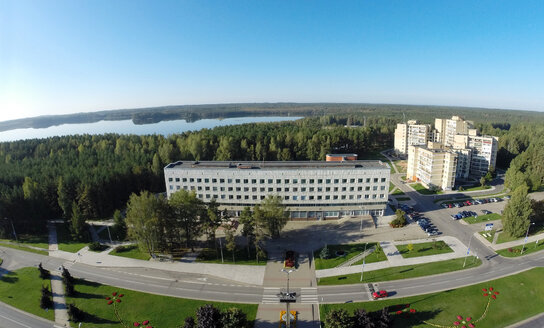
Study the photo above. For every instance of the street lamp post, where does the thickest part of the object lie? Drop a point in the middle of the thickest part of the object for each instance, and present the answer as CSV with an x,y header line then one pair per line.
x,y
468,250
526,236
364,258
13,228
288,294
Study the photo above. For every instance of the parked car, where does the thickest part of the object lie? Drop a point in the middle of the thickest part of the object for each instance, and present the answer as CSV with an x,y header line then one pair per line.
x,y
486,212
289,259
379,294
507,197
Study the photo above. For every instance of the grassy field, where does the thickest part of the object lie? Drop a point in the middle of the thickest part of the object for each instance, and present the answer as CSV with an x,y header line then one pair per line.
x,y
424,191
397,192
24,248
504,237
401,165
475,188
377,256
40,241
490,235
402,198
519,298
531,247
210,255
22,289
161,311
133,252
482,218
424,249
402,272
65,241
350,250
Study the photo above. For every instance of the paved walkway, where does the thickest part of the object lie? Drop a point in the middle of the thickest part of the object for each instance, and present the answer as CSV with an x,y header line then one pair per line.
x,y
509,244
57,287
394,258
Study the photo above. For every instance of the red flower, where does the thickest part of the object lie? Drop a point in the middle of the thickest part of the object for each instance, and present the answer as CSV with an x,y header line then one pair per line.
x,y
121,295
486,294
456,323
108,298
496,293
412,310
464,327
471,325
494,297
484,290
469,318
109,302
145,322
459,317
399,312
136,324
118,300
491,288
114,294
407,305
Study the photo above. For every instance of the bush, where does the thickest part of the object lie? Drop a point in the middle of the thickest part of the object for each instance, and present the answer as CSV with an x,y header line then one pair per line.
x,y
398,222
121,249
46,301
324,254
97,247
44,274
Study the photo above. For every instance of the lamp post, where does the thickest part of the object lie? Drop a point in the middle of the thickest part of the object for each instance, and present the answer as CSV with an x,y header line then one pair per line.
x,y
364,258
526,236
288,294
13,228
468,250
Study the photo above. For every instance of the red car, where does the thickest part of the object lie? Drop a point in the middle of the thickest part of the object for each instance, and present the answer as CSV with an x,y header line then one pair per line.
x,y
379,294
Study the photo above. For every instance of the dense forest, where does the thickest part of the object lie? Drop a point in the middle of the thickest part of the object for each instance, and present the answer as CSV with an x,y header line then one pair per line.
x,y
94,175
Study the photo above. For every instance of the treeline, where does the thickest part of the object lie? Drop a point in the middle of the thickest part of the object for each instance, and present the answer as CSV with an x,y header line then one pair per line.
x,y
92,176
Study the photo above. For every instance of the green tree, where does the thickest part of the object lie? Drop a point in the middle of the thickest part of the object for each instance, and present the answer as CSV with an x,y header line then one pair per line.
x,y
338,319
86,204
65,195
516,214
271,215
233,318
483,181
78,224
248,228
187,210
119,226
410,247
142,220
324,254
231,242
156,166
212,219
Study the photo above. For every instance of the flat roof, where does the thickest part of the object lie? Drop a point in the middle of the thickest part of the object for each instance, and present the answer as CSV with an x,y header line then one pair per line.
x,y
278,165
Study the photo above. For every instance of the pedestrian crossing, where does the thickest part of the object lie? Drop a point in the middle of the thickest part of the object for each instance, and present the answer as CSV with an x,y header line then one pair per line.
x,y
304,295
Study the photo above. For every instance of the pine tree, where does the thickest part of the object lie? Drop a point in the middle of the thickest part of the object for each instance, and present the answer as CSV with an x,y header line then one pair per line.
x,y
324,254
44,274
516,214
46,302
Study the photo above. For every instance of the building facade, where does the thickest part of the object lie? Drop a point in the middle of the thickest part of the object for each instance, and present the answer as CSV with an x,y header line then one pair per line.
x,y
433,166
446,129
309,190
483,152
411,134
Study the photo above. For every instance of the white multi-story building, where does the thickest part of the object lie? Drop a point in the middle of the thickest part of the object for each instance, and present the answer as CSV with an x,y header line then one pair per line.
x,y
308,189
411,134
446,129
433,166
483,152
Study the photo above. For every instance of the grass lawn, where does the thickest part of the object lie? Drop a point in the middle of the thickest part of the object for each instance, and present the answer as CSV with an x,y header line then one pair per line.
x,y
482,218
65,241
210,255
402,272
504,237
475,188
391,186
516,251
402,198
131,251
401,165
519,298
424,191
376,256
41,241
22,289
489,235
161,311
398,192
23,248
424,249
350,250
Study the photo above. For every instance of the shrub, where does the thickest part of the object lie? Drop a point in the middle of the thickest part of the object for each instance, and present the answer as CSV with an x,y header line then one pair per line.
x,y
121,249
234,318
324,254
97,247
46,302
75,313
44,274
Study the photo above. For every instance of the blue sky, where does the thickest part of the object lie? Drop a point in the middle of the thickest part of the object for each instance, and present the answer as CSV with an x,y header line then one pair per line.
x,y
76,56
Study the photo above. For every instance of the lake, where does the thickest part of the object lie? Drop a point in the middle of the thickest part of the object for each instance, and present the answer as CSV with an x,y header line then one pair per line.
x,y
127,127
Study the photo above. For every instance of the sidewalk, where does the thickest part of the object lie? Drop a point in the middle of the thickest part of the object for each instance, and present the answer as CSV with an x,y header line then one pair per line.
x,y
509,244
57,287
394,258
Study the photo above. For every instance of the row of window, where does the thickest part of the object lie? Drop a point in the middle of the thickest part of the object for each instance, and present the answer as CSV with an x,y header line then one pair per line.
x,y
277,181
344,205
277,189
294,197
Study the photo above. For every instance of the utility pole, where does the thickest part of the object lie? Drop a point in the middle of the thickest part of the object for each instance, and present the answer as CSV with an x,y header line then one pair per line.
x,y
364,259
468,250
221,248
526,236
13,228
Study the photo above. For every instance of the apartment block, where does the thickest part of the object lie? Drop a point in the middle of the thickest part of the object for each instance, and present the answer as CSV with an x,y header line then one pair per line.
x,y
433,166
411,133
483,152
309,189
446,129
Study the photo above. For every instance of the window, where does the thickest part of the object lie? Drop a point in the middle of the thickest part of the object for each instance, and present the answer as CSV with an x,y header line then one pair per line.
x,y
278,181
327,197
367,180
328,189
199,188
214,188
382,195
382,188
286,181
319,181
319,189
270,181
208,196
295,180
199,180
312,181
344,180
185,188
246,196
328,181
223,196
319,197
238,189
335,188
169,179
171,187
350,196
312,189
254,181
303,181
214,180
358,196
192,187
191,180
351,180
238,196
375,179
286,189
351,188
215,196
303,189
184,179
231,189
383,179
278,189
262,197
336,180
270,189
261,181
295,189
261,189
360,180
343,196
221,180
311,197
207,180
344,188
207,188
222,188
254,189
254,197
286,197
246,188
246,181
237,180
302,197
366,196
335,197
367,188
229,180
374,187
374,196
295,197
